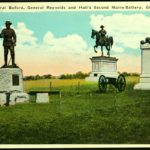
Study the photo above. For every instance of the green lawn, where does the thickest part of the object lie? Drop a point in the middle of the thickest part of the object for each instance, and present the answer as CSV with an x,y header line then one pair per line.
x,y
81,116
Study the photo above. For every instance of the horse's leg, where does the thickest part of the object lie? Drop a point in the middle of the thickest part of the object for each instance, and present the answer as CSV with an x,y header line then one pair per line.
x,y
108,50
95,49
108,53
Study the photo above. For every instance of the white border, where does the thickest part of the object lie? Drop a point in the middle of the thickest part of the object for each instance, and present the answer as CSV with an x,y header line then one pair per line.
x,y
79,6
75,146
145,7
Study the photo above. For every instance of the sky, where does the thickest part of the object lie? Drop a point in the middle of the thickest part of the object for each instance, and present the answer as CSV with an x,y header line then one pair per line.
x,y
60,42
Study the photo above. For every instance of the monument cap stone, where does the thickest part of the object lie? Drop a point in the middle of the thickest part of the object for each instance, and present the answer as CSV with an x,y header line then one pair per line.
x,y
104,58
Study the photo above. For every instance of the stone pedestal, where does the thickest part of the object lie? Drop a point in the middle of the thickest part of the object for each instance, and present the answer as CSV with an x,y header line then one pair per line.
x,y
144,83
102,65
11,79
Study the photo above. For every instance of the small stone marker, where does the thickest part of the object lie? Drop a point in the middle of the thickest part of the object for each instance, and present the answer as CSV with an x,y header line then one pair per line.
x,y
42,98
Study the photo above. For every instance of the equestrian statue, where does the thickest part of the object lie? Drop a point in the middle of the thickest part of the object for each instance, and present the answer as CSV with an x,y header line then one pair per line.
x,y
102,40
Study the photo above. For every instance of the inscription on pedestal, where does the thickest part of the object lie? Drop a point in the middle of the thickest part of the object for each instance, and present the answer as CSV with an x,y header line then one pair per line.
x,y
15,79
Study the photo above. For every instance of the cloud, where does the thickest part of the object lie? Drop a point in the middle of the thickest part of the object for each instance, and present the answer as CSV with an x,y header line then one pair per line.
x,y
117,49
127,30
72,42
25,35
128,63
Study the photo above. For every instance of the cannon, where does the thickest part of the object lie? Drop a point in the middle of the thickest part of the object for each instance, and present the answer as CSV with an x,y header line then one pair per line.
x,y
119,82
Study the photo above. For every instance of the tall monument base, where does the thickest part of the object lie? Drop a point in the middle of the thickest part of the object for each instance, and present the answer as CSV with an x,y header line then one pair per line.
x,y
144,83
11,86
102,65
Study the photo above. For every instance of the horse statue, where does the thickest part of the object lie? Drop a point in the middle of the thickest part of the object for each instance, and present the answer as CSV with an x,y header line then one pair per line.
x,y
107,42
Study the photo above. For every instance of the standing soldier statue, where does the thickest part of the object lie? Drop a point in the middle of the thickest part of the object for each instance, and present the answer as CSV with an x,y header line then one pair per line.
x,y
9,42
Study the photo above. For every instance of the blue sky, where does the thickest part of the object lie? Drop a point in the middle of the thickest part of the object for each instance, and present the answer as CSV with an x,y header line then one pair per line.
x,y
60,25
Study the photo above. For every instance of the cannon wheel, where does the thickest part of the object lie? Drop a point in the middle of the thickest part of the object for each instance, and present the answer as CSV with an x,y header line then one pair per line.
x,y
102,83
121,83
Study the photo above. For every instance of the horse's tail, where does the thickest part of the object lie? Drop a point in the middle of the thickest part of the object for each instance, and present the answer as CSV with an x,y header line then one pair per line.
x,y
111,41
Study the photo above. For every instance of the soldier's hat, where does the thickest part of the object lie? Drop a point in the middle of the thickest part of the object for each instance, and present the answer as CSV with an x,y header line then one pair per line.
x,y
8,22
101,26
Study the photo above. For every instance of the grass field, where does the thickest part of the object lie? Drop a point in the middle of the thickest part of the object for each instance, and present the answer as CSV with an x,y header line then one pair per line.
x,y
81,116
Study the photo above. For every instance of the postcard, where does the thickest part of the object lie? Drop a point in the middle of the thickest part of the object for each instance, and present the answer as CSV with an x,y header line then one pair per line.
x,y
74,74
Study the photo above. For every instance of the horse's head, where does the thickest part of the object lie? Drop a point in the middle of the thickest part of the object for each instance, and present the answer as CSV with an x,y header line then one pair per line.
x,y
93,33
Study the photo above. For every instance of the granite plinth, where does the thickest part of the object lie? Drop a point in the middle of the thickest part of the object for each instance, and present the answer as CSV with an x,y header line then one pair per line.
x,y
15,97
144,83
11,81
102,65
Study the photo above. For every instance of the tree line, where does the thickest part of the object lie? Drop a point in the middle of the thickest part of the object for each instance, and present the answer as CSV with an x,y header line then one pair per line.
x,y
78,75
130,74
37,77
